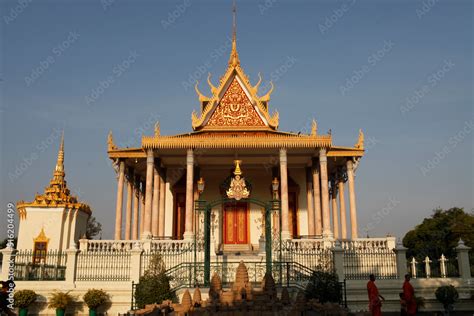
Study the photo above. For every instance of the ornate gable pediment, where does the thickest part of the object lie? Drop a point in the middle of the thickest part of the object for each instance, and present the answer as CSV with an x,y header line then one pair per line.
x,y
234,104
235,110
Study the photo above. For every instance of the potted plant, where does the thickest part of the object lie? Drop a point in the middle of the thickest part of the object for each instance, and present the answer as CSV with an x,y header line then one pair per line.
x,y
447,295
23,299
94,298
59,301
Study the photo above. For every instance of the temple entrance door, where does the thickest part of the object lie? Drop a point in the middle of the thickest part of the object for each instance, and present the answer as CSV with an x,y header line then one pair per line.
x,y
236,223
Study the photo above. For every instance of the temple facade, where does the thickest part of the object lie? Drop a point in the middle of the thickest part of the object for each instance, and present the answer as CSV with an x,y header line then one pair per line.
x,y
236,152
235,199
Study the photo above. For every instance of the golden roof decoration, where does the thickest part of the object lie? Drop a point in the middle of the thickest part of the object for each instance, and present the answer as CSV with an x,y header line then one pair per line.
x,y
234,70
56,194
41,237
314,128
360,141
259,139
157,128
110,142
237,189
235,110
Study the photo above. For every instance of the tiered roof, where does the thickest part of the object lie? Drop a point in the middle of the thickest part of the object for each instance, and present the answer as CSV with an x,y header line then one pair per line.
x,y
56,194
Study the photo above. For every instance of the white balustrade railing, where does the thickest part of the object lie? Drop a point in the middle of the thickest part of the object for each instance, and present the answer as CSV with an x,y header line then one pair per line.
x,y
106,245
359,263
315,254
369,243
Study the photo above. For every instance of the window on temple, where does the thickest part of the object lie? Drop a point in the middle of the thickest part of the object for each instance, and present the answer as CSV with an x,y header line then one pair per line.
x,y
39,252
40,247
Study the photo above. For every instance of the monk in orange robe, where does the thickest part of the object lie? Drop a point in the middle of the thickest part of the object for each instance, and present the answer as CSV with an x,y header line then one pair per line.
x,y
375,299
409,296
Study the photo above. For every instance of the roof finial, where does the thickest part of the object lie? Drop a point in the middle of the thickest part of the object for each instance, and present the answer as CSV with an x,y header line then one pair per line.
x,y
60,161
360,141
234,56
234,15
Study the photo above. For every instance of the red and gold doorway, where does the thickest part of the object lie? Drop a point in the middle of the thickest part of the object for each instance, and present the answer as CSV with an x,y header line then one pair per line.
x,y
236,223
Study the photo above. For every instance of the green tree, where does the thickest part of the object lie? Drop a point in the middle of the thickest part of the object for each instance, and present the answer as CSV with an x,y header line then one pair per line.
x,y
93,228
154,285
440,233
324,286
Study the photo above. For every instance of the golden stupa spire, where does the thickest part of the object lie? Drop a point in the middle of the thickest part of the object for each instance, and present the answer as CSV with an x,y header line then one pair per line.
x,y
60,161
59,174
56,193
234,56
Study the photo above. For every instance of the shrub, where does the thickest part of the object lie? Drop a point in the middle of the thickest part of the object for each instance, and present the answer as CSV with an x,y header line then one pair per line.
x,y
324,286
94,298
24,298
154,285
60,300
447,295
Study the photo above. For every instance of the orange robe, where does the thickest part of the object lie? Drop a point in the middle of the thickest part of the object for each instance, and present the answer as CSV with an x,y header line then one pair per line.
x,y
375,305
409,297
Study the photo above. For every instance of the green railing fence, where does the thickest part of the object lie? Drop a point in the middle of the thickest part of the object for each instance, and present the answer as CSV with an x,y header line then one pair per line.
x,y
51,266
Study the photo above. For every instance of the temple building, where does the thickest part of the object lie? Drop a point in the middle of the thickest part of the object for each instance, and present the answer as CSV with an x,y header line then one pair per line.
x,y
236,208
55,220
236,152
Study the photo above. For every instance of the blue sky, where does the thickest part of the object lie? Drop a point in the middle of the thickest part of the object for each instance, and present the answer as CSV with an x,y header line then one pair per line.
x,y
401,70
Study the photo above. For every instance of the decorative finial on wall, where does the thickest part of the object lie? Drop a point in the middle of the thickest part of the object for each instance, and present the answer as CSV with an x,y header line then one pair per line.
x,y
157,129
360,141
110,142
314,128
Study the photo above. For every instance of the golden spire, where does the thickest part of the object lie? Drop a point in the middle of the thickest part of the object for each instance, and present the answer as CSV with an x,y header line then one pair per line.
x,y
234,56
59,174
56,193
60,161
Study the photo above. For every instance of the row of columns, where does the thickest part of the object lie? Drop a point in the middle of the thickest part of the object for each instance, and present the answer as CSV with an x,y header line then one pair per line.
x,y
319,196
145,202
322,200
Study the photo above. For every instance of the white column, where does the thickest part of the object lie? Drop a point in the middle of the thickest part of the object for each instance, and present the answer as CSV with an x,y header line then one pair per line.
x,y
142,208
285,228
309,201
155,203
318,218
342,207
136,205
335,217
188,226
71,264
148,194
161,230
352,198
324,193
118,209
128,213
464,265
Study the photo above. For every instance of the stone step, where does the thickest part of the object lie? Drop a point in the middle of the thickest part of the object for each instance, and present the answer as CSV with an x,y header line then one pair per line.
x,y
237,247
237,257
